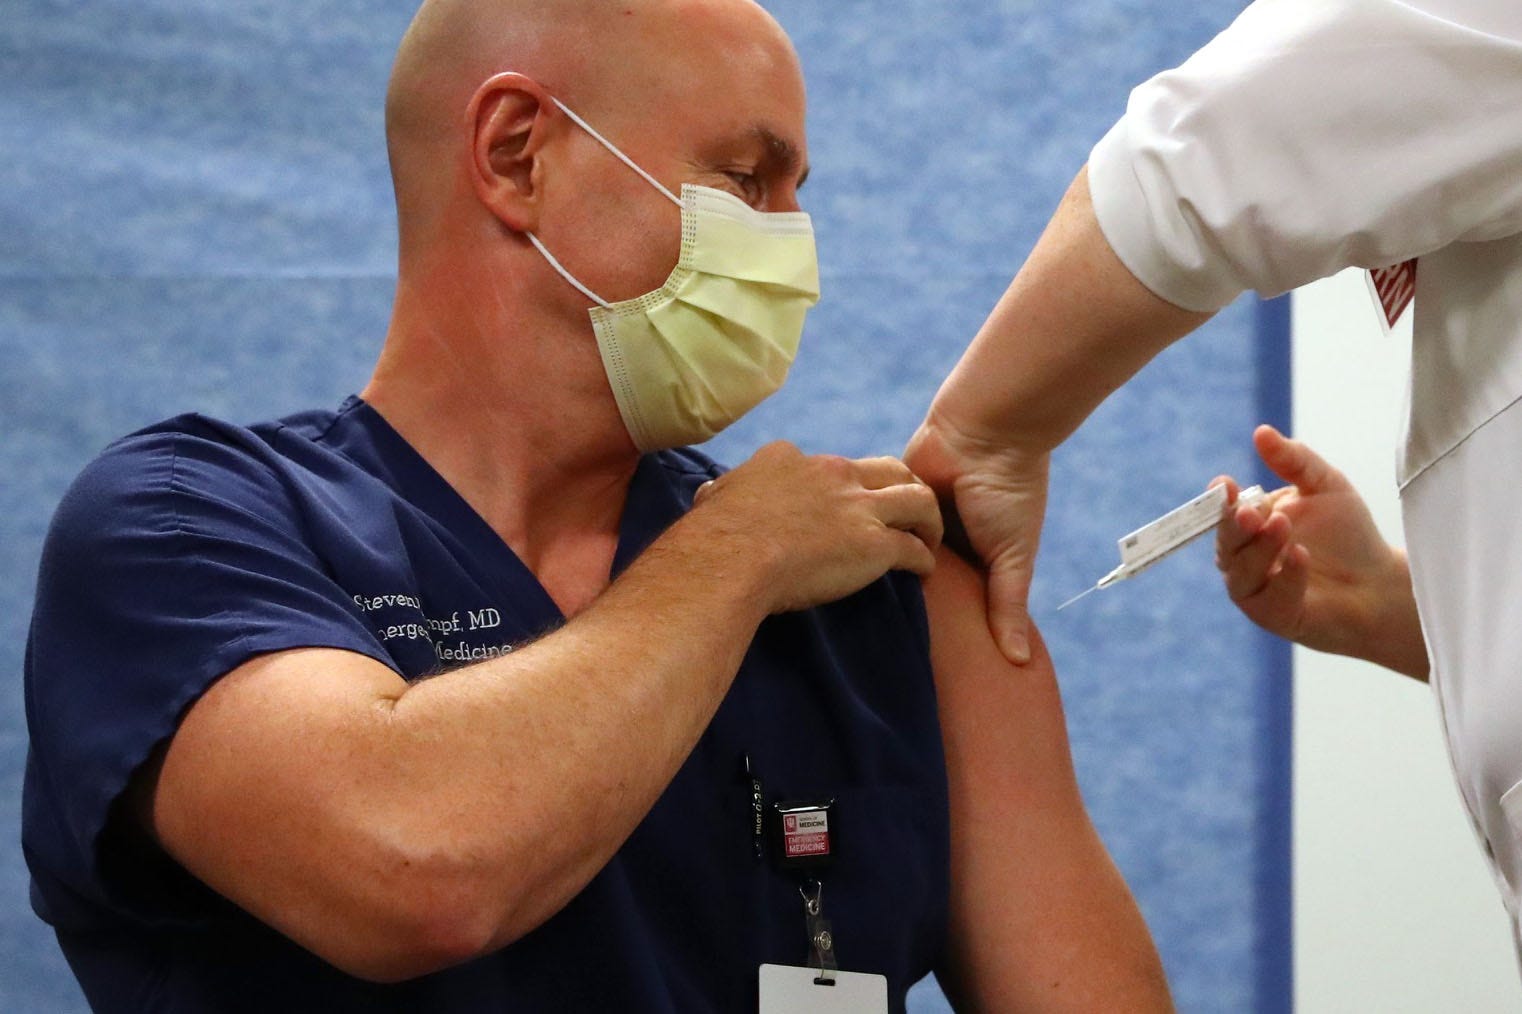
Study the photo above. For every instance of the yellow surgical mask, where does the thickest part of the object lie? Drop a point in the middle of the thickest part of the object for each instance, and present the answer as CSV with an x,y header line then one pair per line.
x,y
691,357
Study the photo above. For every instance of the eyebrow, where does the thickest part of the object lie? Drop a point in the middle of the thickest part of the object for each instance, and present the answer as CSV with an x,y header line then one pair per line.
x,y
783,152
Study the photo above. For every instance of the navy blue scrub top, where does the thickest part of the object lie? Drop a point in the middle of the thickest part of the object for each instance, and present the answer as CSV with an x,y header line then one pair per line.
x,y
194,545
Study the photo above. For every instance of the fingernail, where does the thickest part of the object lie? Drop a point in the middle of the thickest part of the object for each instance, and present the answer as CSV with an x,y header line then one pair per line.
x,y
1016,649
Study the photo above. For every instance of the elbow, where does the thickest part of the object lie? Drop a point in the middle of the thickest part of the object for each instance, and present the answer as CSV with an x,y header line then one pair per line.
x,y
391,888
423,915
417,943
453,905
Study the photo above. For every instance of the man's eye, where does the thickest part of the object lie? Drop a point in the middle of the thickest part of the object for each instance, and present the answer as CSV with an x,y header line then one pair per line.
x,y
748,185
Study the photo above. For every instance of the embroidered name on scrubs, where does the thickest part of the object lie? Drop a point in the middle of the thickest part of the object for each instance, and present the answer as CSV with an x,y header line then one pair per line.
x,y
446,633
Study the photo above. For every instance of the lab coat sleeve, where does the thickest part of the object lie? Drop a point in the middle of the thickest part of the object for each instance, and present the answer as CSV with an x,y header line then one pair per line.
x,y
1313,135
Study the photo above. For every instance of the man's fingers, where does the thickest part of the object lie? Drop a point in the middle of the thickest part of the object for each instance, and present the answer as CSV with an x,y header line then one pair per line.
x,y
1008,618
913,554
902,500
912,507
879,473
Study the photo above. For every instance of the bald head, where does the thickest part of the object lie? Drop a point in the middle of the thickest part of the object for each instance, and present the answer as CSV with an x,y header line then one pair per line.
x,y
494,181
612,60
454,45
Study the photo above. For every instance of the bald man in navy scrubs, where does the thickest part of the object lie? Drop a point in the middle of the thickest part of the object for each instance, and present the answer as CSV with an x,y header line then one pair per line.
x,y
344,712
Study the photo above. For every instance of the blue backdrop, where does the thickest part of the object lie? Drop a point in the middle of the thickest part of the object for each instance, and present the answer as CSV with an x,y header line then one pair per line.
x,y
195,214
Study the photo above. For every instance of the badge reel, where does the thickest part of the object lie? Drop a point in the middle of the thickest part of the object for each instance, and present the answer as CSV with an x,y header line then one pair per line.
x,y
804,843
801,843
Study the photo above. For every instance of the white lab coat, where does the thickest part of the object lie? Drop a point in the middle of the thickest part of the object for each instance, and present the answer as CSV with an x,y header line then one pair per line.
x,y
1313,135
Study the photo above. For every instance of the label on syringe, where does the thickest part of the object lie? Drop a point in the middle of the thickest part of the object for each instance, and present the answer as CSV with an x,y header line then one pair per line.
x,y
1169,533
1174,530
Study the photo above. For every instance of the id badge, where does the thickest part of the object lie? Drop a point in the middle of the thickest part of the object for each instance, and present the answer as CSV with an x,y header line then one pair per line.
x,y
802,839
786,989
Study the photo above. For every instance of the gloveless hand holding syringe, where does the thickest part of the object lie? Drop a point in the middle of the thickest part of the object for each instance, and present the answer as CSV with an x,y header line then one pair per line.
x,y
1170,533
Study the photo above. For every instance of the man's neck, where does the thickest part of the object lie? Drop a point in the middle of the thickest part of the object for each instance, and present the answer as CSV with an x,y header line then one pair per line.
x,y
538,451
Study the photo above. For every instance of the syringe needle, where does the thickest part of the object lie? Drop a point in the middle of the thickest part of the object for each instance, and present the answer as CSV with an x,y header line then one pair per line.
x,y
1075,598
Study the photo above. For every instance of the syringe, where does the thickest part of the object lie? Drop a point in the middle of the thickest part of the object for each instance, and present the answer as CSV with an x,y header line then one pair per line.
x,y
1169,533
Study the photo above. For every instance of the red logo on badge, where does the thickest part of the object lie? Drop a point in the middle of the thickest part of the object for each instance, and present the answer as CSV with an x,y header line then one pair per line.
x,y
805,834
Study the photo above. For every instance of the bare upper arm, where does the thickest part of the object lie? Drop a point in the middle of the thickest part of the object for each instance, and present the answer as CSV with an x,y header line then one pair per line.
x,y
1041,917
272,788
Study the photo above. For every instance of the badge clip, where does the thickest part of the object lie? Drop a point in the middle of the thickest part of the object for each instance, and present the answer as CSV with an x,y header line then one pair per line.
x,y
821,940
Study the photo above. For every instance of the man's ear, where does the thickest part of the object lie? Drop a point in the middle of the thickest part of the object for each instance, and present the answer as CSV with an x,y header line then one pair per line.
x,y
508,131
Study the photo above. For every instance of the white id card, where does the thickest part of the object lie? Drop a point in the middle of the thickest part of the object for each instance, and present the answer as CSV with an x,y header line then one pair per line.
x,y
789,990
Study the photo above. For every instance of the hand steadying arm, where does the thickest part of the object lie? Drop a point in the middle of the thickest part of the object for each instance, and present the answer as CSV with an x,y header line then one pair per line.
x,y
1243,168
1074,325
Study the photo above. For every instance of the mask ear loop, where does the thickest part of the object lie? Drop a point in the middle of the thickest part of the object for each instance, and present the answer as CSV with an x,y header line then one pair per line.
x,y
625,159
594,297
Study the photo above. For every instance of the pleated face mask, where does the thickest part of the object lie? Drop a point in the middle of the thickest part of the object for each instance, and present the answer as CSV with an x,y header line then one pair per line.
x,y
718,337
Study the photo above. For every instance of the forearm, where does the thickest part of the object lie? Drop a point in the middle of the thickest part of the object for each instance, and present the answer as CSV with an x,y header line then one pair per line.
x,y
396,829
1073,326
573,740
